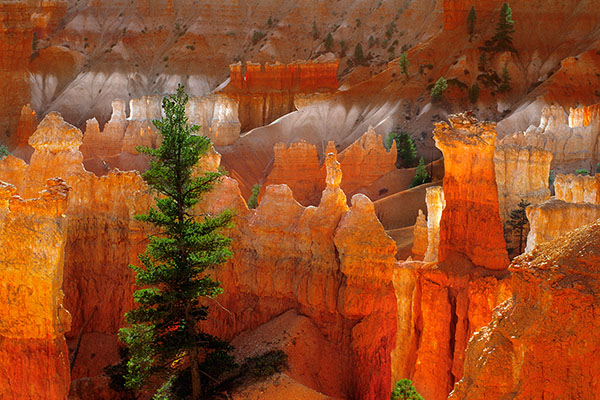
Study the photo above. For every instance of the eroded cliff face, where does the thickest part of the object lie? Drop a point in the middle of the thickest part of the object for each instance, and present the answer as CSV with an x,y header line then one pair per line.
x,y
521,174
362,163
470,224
34,360
102,238
572,139
542,342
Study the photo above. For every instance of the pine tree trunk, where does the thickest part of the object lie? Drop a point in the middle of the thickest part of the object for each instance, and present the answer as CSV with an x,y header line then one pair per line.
x,y
195,369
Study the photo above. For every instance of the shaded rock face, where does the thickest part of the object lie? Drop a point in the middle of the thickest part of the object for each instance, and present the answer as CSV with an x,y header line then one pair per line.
x,y
521,174
102,239
33,351
542,343
438,311
330,263
362,163
572,139
470,223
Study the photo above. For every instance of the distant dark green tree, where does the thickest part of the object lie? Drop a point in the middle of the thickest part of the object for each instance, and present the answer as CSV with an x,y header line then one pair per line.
x,y
502,39
253,199
403,63
3,151
421,174
598,168
518,222
404,390
438,89
164,340
405,146
582,172
471,18
482,63
358,52
505,83
474,93
328,42
315,30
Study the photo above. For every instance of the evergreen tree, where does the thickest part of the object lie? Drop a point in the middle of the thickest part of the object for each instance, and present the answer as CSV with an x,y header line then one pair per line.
x,y
474,93
438,88
328,42
403,63
471,18
502,40
404,390
505,83
253,199
421,174
405,146
518,222
358,52
3,151
164,335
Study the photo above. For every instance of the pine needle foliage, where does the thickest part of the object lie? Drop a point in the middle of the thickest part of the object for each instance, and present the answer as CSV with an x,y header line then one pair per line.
x,y
421,174
164,335
471,18
518,222
404,390
502,39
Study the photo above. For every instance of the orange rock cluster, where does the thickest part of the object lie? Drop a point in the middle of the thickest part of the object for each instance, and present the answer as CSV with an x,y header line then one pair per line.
x,y
542,343
362,163
470,223
33,351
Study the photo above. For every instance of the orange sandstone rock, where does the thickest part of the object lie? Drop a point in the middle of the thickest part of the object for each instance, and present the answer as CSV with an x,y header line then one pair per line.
x,y
470,223
33,351
420,236
435,207
578,188
542,342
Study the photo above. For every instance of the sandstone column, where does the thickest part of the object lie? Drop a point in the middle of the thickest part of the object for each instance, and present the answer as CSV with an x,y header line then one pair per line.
x,y
470,223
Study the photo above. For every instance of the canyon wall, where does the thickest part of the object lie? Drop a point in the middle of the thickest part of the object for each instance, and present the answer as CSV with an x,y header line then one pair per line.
x,y
33,353
521,174
542,342
470,223
572,139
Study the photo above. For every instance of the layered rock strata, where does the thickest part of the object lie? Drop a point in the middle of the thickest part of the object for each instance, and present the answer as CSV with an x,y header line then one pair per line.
x,y
266,92
435,207
542,342
521,174
470,224
33,352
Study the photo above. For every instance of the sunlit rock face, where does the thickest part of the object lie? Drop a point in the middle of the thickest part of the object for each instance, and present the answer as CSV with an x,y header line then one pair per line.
x,y
265,92
438,311
362,163
435,207
542,343
470,224
330,263
572,138
33,353
102,237
554,218
216,115
577,188
521,174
